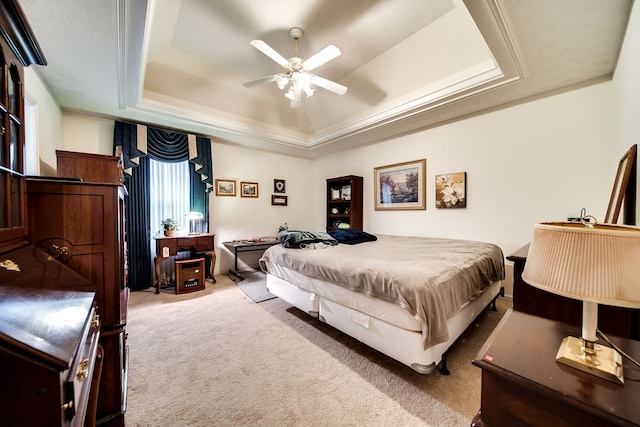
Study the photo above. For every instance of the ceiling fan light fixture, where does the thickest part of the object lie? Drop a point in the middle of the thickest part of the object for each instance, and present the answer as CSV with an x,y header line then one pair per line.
x,y
291,94
308,91
282,81
296,70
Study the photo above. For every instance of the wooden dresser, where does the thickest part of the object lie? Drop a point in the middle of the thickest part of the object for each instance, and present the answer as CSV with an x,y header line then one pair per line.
x,y
49,350
48,341
81,224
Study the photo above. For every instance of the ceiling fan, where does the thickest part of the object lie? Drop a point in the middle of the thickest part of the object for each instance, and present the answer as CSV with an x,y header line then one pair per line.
x,y
296,74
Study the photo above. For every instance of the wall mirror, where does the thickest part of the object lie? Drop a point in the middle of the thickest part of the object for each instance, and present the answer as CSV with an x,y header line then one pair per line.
x,y
624,190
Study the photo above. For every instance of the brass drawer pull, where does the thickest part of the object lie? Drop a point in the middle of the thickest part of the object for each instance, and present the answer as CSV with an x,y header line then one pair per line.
x,y
67,405
83,370
56,251
95,322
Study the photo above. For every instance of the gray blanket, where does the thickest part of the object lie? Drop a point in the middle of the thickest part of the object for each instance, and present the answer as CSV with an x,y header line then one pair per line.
x,y
432,278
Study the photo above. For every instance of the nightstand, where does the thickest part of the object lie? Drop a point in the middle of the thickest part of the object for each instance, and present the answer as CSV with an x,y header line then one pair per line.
x,y
523,385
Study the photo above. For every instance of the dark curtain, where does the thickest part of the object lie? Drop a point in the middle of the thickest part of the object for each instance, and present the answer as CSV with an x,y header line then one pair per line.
x,y
162,145
202,181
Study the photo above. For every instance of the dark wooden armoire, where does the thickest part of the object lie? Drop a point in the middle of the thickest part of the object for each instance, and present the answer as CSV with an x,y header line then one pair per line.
x,y
78,219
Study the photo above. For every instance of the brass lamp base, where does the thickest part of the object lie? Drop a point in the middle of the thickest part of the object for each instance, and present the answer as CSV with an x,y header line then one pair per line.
x,y
606,363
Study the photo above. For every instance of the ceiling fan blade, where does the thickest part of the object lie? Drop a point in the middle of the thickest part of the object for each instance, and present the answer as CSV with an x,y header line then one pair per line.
x,y
270,52
256,82
328,85
325,55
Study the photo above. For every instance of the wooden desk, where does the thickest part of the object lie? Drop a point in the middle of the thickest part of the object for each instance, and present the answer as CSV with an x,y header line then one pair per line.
x,y
195,244
522,384
238,246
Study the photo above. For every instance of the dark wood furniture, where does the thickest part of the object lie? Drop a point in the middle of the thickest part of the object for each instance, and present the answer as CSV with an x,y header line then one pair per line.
x,y
623,194
189,275
623,322
523,385
89,167
48,331
239,246
81,224
344,202
48,341
197,244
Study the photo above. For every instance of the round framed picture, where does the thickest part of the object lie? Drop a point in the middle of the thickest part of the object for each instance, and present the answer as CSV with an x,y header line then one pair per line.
x,y
334,210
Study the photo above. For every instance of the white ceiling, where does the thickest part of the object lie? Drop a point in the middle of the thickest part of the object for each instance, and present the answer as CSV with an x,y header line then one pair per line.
x,y
408,64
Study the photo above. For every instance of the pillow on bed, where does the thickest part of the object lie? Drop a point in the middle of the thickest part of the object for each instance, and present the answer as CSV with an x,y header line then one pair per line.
x,y
351,236
298,239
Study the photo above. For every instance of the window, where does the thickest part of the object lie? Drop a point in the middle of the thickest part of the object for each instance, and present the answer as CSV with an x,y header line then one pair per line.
x,y
169,193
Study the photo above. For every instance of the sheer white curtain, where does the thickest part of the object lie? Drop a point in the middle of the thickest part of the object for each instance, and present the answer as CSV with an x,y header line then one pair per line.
x,y
169,198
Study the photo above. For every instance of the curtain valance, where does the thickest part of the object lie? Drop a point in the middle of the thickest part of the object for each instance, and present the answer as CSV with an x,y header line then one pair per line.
x,y
137,140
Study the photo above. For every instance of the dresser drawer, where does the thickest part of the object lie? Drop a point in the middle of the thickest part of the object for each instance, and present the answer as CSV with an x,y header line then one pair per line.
x,y
77,384
205,244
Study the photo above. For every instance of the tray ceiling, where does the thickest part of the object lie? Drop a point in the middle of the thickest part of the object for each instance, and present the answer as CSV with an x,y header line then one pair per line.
x,y
408,65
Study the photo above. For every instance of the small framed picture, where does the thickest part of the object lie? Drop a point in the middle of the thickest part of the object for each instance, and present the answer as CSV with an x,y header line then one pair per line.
x,y
279,186
277,200
335,194
346,192
248,189
451,190
225,187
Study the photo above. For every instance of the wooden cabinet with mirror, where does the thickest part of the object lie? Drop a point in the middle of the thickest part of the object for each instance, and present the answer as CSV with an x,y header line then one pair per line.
x,y
49,352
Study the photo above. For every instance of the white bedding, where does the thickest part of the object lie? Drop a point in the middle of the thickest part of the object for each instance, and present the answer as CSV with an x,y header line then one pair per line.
x,y
403,345
317,288
430,279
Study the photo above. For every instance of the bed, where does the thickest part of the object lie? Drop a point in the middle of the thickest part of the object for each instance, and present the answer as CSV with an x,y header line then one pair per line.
x,y
407,297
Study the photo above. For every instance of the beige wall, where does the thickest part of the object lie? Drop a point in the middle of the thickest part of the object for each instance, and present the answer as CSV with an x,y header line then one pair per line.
x,y
48,127
626,89
538,161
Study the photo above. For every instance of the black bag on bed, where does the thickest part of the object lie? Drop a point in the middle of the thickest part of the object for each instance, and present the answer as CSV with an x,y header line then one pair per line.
x,y
351,236
302,239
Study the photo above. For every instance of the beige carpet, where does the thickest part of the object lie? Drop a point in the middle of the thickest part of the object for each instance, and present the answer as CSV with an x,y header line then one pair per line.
x,y
216,358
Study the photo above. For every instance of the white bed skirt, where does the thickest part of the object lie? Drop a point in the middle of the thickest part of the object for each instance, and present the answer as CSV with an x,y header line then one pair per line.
x,y
365,325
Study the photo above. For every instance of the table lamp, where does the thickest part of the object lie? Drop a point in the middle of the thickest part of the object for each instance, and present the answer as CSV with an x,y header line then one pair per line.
x,y
193,218
594,263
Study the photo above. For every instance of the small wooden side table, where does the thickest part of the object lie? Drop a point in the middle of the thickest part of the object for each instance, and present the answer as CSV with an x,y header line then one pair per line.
x,y
522,384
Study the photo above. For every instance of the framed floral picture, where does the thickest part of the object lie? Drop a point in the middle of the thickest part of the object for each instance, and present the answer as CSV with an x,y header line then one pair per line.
x,y
225,187
451,190
248,189
400,186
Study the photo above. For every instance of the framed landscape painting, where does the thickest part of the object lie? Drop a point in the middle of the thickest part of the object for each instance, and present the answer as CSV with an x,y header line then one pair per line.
x,y
248,189
225,187
400,186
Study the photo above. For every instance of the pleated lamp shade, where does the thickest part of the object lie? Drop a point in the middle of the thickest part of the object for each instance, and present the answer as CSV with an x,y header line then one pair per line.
x,y
597,263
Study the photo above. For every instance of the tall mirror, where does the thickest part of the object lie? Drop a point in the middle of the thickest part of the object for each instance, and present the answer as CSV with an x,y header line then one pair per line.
x,y
623,194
